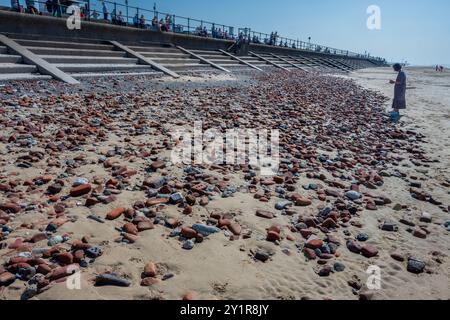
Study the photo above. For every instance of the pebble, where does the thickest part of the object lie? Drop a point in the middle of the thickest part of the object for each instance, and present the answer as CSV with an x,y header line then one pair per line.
x,y
362,237
339,267
111,280
188,245
262,255
150,270
369,251
265,214
205,230
353,195
281,205
415,266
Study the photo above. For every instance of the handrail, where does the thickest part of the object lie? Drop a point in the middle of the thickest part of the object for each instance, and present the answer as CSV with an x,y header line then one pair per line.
x,y
161,21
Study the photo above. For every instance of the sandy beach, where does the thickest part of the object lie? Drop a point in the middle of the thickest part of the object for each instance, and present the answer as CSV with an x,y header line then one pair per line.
x,y
68,154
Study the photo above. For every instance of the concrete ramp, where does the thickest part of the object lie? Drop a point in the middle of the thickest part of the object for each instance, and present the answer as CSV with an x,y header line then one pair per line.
x,y
144,60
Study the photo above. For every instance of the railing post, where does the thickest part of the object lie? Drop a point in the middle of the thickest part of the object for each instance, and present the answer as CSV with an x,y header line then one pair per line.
x,y
189,25
126,9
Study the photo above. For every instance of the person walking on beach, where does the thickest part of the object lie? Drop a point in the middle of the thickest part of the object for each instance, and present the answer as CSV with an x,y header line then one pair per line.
x,y
399,102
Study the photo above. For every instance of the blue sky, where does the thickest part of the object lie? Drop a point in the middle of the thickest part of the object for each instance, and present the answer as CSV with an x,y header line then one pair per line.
x,y
414,30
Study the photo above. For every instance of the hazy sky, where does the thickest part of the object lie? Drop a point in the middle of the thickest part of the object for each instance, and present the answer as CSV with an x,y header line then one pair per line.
x,y
414,30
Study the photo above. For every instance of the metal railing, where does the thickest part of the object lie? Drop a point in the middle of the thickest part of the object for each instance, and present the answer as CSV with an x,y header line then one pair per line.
x,y
122,14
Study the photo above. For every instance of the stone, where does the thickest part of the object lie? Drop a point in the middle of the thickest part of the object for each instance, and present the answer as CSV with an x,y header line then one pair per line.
x,y
325,271
38,237
329,223
300,200
265,214
419,233
205,230
150,270
391,227
353,246
65,258
188,296
188,245
235,228
176,198
415,266
353,195
261,255
148,282
314,244
94,252
63,272
362,237
273,236
116,213
338,267
309,253
145,225
158,165
398,257
369,251
80,190
10,207
130,228
111,280
188,233
6,278
426,217
281,205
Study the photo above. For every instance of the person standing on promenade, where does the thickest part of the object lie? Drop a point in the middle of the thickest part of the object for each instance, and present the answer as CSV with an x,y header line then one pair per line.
x,y
399,102
56,8
15,5
105,11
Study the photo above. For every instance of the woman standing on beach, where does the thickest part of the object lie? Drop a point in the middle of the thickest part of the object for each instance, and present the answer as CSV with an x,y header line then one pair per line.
x,y
399,102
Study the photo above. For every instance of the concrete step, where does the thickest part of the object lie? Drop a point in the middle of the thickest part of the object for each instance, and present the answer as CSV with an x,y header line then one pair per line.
x,y
207,52
187,66
223,61
75,52
6,58
22,76
179,55
77,68
83,75
235,64
174,60
3,50
16,68
63,44
155,49
88,59
213,56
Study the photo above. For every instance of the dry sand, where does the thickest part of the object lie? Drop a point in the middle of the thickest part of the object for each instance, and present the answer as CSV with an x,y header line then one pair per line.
x,y
223,269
